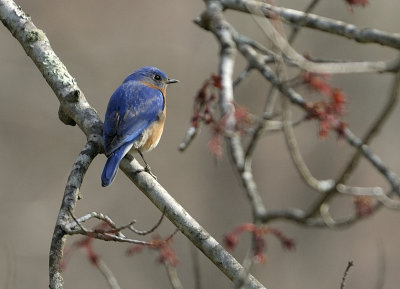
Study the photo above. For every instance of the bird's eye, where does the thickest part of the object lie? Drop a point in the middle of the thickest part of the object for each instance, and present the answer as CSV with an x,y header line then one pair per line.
x,y
157,77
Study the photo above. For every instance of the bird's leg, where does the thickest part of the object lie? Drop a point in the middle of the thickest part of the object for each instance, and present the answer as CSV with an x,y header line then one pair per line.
x,y
147,167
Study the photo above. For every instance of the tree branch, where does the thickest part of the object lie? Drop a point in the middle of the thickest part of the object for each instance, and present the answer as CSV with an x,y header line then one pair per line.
x,y
71,192
332,26
212,19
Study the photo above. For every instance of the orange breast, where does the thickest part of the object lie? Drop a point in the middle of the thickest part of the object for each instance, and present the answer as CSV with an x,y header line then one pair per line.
x,y
154,133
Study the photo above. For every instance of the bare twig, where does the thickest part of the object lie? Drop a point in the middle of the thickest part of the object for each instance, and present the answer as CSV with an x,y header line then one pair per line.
x,y
69,228
302,168
346,272
376,126
242,76
296,28
149,231
101,234
268,112
374,192
189,137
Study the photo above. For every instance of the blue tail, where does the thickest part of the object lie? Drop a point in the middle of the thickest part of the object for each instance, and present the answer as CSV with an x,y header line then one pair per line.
x,y
111,167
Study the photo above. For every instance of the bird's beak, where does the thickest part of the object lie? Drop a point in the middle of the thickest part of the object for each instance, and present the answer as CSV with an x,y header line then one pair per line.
x,y
169,81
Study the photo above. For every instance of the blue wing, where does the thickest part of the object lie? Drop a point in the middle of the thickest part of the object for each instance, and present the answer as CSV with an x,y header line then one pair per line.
x,y
132,108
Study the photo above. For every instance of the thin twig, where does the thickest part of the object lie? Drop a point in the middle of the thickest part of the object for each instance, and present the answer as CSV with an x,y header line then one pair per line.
x,y
295,31
375,192
149,231
242,76
346,271
78,222
268,112
302,168
376,126
188,138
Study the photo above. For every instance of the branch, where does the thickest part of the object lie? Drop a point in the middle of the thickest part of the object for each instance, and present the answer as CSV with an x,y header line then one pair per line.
x,y
76,109
302,168
71,192
332,26
212,19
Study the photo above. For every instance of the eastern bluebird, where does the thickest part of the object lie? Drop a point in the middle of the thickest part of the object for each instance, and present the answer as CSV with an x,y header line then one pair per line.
x,y
134,118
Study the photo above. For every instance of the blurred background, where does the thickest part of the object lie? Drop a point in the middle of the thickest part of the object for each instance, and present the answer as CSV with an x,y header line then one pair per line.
x,y
101,42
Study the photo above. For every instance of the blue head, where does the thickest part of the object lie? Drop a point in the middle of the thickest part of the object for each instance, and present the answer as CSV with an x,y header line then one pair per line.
x,y
151,75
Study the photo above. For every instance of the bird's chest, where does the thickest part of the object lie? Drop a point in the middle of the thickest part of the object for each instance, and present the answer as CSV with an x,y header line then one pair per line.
x,y
151,135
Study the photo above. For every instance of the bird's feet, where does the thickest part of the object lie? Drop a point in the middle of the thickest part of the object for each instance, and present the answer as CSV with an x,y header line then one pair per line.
x,y
148,170
147,167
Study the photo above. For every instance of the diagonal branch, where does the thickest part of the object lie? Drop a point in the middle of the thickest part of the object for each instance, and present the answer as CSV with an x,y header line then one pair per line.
x,y
74,108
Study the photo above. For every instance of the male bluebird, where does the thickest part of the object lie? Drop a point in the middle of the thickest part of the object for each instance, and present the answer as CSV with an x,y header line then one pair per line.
x,y
134,118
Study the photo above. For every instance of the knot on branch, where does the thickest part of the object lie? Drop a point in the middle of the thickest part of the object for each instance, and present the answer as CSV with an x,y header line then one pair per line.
x,y
65,118
73,96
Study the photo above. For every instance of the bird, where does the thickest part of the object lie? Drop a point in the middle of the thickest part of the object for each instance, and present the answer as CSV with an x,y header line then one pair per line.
x,y
134,118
